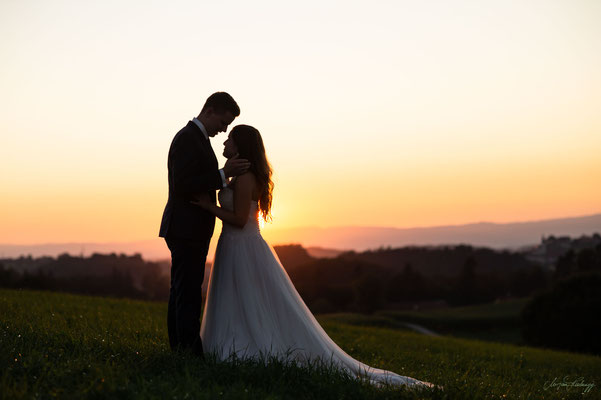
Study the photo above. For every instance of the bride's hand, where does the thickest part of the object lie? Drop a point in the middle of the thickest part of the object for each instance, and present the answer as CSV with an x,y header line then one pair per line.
x,y
202,200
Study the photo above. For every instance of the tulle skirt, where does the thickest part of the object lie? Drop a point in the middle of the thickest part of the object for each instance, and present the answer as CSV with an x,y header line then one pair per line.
x,y
253,310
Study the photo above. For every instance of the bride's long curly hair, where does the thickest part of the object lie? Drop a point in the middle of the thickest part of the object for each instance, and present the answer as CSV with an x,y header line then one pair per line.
x,y
250,146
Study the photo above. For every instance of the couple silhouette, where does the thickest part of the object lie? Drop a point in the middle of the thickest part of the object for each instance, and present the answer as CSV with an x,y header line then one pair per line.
x,y
252,308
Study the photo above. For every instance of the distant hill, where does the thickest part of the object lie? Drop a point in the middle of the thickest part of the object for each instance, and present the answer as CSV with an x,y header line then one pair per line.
x,y
320,252
485,234
317,240
153,249
293,255
444,261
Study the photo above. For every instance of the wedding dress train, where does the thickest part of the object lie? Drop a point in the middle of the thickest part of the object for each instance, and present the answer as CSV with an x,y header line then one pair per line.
x,y
253,309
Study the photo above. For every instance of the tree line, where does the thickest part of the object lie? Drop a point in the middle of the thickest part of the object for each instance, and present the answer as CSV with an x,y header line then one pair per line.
x,y
565,315
100,274
356,283
352,282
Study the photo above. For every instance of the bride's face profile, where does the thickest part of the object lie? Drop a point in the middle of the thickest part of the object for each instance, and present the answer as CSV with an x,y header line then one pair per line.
x,y
230,149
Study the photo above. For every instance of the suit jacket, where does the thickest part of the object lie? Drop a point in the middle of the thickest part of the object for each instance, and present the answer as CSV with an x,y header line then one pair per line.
x,y
192,169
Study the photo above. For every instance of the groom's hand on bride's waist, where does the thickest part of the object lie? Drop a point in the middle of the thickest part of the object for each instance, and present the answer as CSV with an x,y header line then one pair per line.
x,y
202,200
235,166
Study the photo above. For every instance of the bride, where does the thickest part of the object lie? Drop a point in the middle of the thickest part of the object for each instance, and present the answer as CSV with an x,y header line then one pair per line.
x,y
252,308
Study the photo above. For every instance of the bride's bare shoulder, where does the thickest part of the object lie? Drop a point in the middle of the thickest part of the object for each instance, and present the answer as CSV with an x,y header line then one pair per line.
x,y
247,179
247,182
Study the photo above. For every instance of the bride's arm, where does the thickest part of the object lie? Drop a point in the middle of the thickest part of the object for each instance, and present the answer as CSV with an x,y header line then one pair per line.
x,y
243,187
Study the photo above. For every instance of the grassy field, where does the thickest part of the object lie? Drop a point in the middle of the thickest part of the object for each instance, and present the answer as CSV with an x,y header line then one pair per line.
x,y
490,322
65,346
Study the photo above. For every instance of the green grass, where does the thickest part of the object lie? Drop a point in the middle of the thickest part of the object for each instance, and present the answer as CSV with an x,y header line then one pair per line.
x,y
64,346
490,322
494,311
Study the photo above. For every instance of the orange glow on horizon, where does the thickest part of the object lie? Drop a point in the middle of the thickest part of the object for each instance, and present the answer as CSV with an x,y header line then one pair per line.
x,y
417,119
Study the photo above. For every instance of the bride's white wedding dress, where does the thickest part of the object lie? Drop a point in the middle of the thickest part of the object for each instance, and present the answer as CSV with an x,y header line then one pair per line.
x,y
253,309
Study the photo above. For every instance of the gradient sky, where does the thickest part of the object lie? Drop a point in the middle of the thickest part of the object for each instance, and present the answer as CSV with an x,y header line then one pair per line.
x,y
373,113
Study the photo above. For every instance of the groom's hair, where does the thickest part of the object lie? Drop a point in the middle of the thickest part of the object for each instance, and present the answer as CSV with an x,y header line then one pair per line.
x,y
221,102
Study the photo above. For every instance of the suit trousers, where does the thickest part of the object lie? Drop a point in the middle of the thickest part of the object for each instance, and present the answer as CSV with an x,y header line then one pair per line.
x,y
188,258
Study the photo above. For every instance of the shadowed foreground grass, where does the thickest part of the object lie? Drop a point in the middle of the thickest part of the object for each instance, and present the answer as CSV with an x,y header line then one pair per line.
x,y
64,346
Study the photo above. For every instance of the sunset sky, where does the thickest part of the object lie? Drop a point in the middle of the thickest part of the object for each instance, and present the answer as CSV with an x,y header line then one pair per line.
x,y
373,113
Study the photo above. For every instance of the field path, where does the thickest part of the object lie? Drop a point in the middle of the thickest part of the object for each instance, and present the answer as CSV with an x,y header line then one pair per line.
x,y
420,329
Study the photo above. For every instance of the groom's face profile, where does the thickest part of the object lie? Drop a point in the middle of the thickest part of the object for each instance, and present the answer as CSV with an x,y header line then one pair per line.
x,y
216,122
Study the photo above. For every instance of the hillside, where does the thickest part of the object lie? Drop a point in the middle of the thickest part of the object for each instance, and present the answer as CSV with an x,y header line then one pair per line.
x,y
351,282
445,260
67,346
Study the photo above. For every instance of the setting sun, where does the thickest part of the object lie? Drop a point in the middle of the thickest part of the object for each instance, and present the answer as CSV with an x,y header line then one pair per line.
x,y
422,114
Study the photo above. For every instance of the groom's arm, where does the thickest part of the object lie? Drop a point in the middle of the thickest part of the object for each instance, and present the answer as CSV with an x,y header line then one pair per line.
x,y
188,174
242,197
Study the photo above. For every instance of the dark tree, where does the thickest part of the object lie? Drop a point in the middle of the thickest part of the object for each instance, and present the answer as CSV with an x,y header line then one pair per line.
x,y
466,291
565,265
566,316
586,260
369,294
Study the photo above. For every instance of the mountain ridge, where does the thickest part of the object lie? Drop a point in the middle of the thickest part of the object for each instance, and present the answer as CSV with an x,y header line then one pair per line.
x,y
486,234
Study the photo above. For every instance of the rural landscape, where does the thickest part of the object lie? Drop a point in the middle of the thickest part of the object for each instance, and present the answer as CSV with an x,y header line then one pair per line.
x,y
418,178
481,323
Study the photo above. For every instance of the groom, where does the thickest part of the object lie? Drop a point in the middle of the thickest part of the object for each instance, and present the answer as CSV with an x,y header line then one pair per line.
x,y
187,229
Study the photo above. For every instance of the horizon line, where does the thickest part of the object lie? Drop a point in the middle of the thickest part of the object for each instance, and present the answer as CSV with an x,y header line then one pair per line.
x,y
445,226
322,227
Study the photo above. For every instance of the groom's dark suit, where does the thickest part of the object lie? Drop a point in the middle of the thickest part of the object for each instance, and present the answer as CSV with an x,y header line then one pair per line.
x,y
187,229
